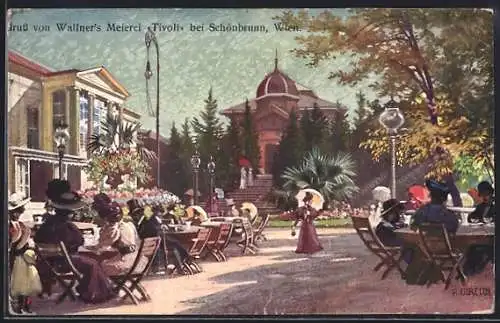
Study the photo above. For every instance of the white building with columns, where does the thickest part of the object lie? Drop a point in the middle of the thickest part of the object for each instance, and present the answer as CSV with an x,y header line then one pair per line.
x,y
38,99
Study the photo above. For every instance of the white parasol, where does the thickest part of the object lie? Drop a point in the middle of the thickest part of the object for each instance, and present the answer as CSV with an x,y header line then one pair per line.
x,y
203,214
317,201
381,193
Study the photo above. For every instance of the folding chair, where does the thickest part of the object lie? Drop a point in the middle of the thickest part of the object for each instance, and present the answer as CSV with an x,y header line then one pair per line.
x,y
436,246
58,261
247,243
198,248
257,233
391,257
148,248
216,248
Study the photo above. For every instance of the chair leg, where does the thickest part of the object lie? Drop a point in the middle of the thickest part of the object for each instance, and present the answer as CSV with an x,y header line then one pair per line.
x,y
222,255
379,265
129,293
143,292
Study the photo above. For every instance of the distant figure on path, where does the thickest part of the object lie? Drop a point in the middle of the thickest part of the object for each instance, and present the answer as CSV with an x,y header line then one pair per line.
x,y
308,238
250,177
243,179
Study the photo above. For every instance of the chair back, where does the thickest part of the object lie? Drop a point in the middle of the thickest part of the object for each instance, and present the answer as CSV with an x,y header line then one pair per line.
x,y
200,242
248,229
367,234
262,225
148,248
217,219
434,240
225,231
47,252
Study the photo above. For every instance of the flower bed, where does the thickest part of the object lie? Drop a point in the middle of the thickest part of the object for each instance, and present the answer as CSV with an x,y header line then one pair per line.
x,y
146,196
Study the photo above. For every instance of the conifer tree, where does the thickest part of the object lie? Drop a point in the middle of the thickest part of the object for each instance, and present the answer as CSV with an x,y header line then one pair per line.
x,y
231,146
290,149
250,139
177,179
319,126
306,130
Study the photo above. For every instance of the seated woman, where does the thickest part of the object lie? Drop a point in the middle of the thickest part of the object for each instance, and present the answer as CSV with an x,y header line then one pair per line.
x,y
121,236
391,220
95,286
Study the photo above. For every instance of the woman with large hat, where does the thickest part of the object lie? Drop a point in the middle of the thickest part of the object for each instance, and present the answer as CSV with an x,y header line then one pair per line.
x,y
120,236
24,277
308,238
94,287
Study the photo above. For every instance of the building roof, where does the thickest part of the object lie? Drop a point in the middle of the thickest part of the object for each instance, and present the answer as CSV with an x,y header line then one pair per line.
x,y
131,113
16,58
150,134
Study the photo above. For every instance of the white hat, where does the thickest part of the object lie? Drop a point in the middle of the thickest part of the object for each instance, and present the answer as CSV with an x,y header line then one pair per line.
x,y
17,200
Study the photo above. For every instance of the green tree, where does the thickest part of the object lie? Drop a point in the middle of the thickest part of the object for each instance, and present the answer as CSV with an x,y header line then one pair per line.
x,y
306,129
178,176
231,145
331,175
340,134
290,149
250,139
319,126
417,54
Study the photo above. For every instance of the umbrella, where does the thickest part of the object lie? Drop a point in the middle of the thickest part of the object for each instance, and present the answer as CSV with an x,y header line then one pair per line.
x,y
381,193
252,208
419,193
190,192
317,201
190,212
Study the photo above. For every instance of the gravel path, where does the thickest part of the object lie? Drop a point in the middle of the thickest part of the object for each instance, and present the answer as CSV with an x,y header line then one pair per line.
x,y
338,280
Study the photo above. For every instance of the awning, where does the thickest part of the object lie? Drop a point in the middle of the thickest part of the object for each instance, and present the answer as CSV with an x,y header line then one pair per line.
x,y
46,156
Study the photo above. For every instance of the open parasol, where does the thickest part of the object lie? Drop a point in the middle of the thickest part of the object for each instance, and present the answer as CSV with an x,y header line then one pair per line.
x,y
381,193
317,201
190,192
252,208
190,212
419,193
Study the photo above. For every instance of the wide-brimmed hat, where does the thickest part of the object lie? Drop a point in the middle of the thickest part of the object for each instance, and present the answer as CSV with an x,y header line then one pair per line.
x,y
56,187
390,205
20,234
134,205
101,199
17,200
70,201
435,186
485,187
203,216
252,209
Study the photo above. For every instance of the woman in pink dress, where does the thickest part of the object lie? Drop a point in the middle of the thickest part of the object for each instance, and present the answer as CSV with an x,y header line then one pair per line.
x,y
308,238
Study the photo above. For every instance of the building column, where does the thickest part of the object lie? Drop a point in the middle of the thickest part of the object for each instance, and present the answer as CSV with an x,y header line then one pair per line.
x,y
67,106
90,128
47,129
17,176
74,122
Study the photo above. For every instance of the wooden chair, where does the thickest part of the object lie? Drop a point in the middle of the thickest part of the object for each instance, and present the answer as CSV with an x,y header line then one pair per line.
x,y
390,257
257,232
58,261
247,240
198,248
436,246
216,247
148,248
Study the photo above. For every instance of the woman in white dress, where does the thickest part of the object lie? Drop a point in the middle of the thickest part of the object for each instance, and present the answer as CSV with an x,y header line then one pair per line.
x,y
121,236
243,178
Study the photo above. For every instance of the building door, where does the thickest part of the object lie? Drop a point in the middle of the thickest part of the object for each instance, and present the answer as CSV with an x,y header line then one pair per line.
x,y
270,152
40,175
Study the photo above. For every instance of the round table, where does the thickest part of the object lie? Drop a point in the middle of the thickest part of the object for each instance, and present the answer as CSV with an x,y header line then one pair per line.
x,y
461,209
462,240
186,236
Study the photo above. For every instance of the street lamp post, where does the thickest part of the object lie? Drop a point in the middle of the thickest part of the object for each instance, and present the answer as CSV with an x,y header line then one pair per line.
x,y
392,119
195,163
211,173
61,138
151,37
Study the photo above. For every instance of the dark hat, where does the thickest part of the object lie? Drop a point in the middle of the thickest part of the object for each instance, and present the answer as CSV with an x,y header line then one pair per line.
x,y
101,199
485,187
158,208
434,186
111,212
134,205
390,205
70,201
56,188
308,197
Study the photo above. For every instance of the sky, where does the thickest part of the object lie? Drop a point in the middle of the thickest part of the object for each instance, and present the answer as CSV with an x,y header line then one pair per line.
x,y
232,63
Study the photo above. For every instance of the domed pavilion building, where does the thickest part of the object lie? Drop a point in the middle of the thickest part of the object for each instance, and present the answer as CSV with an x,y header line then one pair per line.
x,y
277,95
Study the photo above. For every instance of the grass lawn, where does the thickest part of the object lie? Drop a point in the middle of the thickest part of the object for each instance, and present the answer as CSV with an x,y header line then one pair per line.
x,y
326,223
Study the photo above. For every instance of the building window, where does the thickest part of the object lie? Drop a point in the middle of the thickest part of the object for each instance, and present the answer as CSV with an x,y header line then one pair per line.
x,y
24,177
58,107
84,120
33,141
100,112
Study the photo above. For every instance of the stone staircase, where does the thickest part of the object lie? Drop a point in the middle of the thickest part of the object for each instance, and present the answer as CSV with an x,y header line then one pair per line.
x,y
257,194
